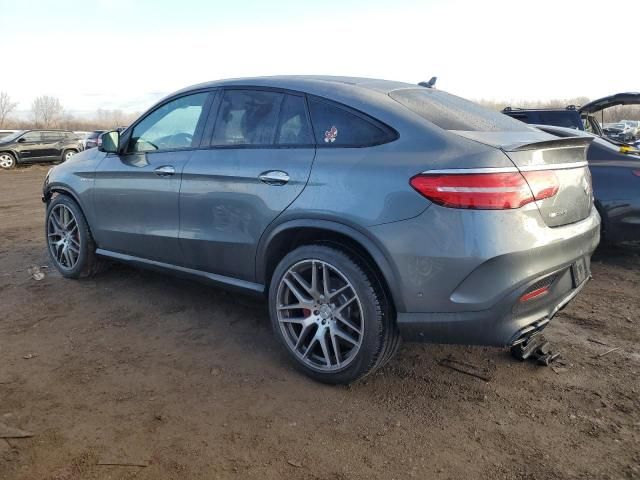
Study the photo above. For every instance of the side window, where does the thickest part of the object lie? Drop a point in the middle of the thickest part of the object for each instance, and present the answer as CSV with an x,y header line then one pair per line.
x,y
247,117
51,136
335,126
171,126
294,128
32,137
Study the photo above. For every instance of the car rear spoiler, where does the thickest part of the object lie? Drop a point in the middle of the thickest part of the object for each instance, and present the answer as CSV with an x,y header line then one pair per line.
x,y
569,142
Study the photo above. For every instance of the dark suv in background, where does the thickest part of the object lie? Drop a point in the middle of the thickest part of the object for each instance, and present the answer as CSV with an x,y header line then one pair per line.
x,y
26,146
569,117
92,140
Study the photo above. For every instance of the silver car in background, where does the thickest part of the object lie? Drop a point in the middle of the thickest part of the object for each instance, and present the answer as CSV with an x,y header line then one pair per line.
x,y
365,211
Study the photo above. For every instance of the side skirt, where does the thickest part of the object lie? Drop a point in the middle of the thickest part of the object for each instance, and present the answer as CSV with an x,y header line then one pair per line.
x,y
220,280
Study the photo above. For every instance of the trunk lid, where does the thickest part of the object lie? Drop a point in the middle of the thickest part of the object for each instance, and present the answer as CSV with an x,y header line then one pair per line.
x,y
627,98
565,158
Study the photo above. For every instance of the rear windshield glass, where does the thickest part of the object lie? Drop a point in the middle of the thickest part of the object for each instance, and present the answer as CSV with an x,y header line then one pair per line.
x,y
454,113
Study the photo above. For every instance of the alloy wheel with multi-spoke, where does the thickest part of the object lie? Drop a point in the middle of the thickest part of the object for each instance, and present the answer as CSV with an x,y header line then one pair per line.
x,y
6,160
320,315
68,155
63,236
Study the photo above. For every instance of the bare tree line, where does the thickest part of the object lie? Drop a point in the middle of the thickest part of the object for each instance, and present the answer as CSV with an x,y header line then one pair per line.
x,y
48,112
6,107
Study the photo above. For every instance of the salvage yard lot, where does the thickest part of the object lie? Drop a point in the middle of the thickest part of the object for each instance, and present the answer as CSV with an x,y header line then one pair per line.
x,y
182,380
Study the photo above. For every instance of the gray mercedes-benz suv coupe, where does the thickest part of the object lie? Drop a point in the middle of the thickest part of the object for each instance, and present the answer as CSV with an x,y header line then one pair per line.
x,y
365,210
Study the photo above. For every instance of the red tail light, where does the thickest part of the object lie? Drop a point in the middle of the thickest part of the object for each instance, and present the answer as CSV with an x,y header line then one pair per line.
x,y
486,191
636,173
543,183
534,294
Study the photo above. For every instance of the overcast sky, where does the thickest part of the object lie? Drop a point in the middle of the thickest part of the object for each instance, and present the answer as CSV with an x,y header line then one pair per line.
x,y
126,54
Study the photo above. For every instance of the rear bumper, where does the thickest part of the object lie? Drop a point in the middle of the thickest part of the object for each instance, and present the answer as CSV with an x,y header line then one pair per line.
x,y
499,326
462,272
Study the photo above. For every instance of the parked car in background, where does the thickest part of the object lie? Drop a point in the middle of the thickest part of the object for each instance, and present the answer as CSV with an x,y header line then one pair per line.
x,y
92,139
563,117
81,134
579,118
363,209
616,185
634,125
26,146
6,133
620,132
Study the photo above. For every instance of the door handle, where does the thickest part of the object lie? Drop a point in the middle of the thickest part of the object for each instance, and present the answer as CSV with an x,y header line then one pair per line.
x,y
165,171
274,177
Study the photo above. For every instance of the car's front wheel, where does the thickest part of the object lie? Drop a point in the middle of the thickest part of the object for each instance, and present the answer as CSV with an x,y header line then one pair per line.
x,y
331,315
69,241
7,161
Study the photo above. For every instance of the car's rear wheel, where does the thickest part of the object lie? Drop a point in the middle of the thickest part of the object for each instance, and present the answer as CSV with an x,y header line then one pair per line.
x,y
69,241
330,315
68,154
7,160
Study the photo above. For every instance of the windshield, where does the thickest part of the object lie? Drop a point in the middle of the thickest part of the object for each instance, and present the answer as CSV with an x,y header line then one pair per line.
x,y
12,136
454,113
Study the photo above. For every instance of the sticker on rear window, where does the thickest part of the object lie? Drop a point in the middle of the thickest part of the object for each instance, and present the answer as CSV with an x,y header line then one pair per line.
x,y
330,135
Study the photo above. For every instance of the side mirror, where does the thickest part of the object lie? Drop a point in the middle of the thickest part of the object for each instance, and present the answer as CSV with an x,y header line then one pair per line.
x,y
22,140
110,142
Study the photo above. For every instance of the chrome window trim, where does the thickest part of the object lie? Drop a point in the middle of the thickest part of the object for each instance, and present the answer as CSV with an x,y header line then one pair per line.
x,y
526,168
457,171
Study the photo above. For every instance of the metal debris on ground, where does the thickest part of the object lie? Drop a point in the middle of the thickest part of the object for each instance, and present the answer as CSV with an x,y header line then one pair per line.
x,y
35,272
464,367
536,348
608,352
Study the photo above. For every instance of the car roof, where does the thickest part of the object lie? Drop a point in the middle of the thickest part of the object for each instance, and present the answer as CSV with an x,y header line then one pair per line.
x,y
308,83
368,95
47,130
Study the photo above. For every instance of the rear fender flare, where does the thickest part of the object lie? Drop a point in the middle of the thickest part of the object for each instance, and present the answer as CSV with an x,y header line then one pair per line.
x,y
375,251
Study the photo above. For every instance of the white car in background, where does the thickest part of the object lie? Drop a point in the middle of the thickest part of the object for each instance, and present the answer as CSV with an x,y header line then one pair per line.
x,y
634,127
83,137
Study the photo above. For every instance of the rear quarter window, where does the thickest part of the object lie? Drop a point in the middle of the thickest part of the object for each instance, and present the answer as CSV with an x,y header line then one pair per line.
x,y
338,126
454,113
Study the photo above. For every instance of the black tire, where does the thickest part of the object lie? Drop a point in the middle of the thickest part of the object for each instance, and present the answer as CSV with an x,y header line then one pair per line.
x,y
7,161
87,263
380,336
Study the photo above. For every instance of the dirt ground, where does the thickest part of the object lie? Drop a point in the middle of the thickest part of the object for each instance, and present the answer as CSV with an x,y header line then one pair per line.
x,y
184,381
